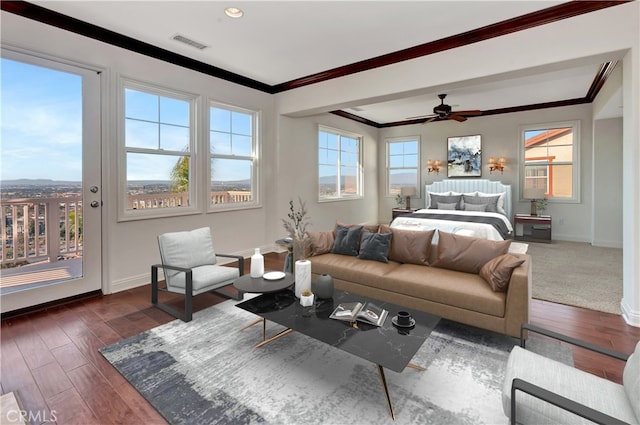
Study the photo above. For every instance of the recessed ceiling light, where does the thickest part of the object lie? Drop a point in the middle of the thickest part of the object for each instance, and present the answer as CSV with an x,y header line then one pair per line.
x,y
233,12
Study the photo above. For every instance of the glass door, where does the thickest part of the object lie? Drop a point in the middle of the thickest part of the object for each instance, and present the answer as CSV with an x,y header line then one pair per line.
x,y
50,180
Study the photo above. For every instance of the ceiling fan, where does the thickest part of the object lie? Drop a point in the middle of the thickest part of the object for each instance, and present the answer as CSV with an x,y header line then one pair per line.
x,y
443,112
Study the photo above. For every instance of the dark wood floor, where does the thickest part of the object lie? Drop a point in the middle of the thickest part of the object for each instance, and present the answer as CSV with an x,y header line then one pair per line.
x,y
51,359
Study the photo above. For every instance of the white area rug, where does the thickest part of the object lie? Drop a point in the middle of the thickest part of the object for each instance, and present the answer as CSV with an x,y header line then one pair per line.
x,y
206,371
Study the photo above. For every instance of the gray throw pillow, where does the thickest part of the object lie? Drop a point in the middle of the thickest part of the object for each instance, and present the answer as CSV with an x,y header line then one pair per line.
x,y
443,206
347,240
445,199
375,246
490,201
474,207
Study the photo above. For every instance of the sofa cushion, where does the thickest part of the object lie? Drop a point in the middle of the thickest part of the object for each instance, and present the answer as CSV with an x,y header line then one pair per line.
x,y
347,240
409,246
352,269
375,246
465,253
463,290
373,228
321,242
497,272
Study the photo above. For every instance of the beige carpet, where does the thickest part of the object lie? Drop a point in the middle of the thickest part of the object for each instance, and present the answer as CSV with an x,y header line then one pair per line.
x,y
577,274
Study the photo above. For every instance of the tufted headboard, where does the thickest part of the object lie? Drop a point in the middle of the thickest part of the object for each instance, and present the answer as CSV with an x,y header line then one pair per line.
x,y
473,185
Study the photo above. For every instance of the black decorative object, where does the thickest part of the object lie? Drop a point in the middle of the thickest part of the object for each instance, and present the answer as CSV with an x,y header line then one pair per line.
x,y
323,286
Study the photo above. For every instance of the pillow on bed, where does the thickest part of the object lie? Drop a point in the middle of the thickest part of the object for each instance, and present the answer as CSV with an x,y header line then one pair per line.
x,y
375,246
491,202
475,207
451,207
497,272
445,199
465,253
428,197
409,246
500,204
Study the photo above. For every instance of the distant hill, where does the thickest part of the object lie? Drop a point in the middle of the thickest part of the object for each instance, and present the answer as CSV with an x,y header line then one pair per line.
x,y
38,182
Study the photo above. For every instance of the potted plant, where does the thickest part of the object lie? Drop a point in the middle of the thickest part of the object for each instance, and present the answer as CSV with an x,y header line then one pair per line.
x,y
541,205
296,225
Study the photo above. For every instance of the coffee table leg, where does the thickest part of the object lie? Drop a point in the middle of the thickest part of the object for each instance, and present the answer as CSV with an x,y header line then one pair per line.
x,y
386,391
273,338
255,322
416,367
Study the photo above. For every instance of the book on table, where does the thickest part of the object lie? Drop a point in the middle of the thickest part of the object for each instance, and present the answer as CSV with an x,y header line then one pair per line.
x,y
365,312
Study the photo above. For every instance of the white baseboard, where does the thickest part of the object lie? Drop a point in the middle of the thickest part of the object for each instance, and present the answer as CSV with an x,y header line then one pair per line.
x,y
631,317
607,244
569,238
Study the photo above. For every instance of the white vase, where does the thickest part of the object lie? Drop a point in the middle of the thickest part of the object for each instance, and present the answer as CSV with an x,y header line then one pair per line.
x,y
257,264
302,276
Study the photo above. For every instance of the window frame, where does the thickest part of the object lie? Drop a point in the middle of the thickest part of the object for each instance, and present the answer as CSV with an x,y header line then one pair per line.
x,y
359,174
418,168
575,162
255,158
125,214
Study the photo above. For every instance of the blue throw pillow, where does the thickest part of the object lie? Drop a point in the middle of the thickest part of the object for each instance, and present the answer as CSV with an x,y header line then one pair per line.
x,y
347,240
375,246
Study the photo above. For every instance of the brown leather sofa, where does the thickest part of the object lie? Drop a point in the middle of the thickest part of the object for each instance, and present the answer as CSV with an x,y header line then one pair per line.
x,y
459,296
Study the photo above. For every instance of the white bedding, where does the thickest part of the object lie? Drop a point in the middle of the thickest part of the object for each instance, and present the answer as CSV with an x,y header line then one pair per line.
x,y
478,230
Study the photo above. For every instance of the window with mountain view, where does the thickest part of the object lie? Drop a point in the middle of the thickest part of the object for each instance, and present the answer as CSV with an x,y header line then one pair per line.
x,y
233,157
159,144
550,153
403,158
339,157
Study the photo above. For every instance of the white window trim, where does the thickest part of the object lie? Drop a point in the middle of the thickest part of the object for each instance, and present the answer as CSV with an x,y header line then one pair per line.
x,y
130,215
577,141
359,174
256,143
418,166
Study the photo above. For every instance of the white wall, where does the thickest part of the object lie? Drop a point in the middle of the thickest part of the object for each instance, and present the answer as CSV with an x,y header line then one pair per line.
x,y
607,182
297,173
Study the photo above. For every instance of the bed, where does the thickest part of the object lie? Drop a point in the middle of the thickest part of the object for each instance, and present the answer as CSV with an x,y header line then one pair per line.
x,y
470,207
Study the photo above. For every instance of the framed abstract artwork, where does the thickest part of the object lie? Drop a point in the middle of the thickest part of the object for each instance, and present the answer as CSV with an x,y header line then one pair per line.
x,y
464,156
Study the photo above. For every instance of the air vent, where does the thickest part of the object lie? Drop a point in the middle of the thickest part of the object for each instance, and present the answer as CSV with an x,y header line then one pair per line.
x,y
181,38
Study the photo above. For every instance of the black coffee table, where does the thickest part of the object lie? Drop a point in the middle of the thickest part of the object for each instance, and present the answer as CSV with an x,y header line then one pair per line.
x,y
387,346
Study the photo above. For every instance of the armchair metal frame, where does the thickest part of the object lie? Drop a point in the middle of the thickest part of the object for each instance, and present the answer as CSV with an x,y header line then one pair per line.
x,y
557,400
187,316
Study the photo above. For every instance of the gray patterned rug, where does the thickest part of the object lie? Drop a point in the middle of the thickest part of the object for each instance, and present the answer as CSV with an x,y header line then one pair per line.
x,y
206,372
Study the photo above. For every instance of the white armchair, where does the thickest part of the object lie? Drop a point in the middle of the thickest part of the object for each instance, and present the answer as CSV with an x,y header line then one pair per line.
x,y
538,390
189,265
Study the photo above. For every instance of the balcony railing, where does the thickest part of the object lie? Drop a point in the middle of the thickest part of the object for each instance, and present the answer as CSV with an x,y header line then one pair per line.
x,y
39,229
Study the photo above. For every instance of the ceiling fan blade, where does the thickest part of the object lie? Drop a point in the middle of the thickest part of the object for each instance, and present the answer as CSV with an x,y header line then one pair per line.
x,y
470,113
458,118
419,116
430,120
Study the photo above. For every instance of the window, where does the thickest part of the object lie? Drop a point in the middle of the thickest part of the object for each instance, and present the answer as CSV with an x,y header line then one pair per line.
x,y
339,156
233,157
402,164
550,153
159,141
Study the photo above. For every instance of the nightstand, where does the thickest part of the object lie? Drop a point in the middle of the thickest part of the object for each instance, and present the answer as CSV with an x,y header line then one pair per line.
x,y
397,212
532,228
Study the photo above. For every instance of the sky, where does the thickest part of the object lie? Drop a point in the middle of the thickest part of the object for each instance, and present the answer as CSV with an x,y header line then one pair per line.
x,y
40,123
41,129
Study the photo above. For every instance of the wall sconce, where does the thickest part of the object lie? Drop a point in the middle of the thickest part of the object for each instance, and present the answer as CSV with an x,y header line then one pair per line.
x,y
434,166
408,192
499,165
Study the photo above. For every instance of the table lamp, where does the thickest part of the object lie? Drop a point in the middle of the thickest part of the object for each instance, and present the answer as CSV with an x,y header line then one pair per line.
x,y
533,194
408,192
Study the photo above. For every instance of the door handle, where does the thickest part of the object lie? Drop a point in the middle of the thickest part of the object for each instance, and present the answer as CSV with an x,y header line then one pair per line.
x,y
95,204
